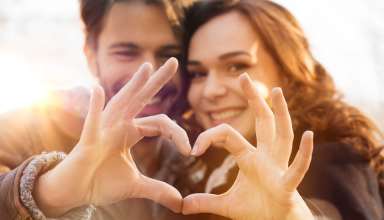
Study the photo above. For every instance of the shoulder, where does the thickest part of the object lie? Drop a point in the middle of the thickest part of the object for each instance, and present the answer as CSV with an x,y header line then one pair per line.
x,y
60,114
337,153
341,175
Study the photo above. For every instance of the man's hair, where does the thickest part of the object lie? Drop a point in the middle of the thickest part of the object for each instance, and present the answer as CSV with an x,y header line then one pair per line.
x,y
93,13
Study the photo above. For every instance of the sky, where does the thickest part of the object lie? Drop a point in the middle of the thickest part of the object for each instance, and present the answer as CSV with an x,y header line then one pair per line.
x,y
41,48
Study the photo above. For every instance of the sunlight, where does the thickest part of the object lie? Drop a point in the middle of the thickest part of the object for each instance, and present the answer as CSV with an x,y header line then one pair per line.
x,y
18,87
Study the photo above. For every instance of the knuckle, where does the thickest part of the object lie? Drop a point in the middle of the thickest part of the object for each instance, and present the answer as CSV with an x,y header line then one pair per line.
x,y
290,136
225,127
163,118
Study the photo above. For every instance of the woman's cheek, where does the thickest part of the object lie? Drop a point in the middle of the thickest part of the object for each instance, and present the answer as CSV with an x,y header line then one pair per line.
x,y
193,96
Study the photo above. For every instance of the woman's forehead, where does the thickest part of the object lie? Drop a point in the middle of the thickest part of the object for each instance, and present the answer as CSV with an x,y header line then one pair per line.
x,y
223,34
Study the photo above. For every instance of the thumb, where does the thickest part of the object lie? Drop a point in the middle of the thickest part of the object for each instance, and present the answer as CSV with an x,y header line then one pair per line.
x,y
205,203
92,121
161,193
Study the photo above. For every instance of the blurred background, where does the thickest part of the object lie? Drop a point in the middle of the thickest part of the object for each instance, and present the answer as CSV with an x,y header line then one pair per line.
x,y
41,48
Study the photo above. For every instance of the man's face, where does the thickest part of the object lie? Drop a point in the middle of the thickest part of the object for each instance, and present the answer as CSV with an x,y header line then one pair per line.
x,y
134,33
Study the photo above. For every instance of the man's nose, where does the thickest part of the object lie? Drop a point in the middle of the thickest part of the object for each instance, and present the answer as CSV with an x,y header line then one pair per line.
x,y
150,58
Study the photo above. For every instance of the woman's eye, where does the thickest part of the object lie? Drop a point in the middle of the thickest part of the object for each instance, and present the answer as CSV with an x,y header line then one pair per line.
x,y
239,67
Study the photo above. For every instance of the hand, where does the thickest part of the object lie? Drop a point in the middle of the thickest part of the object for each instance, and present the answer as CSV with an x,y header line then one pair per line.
x,y
265,187
100,169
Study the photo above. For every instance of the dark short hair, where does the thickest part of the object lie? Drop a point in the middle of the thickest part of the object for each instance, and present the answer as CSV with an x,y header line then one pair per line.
x,y
93,13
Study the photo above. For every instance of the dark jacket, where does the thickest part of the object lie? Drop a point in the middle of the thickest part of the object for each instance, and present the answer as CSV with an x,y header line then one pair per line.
x,y
338,177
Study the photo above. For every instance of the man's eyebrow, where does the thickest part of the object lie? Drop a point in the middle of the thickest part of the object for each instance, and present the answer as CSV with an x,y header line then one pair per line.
x,y
234,54
194,63
170,47
124,45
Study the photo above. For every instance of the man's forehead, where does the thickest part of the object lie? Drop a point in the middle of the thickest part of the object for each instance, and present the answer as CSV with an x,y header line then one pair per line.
x,y
138,23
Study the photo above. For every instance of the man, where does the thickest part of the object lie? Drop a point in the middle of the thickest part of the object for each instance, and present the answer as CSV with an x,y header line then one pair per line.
x,y
120,35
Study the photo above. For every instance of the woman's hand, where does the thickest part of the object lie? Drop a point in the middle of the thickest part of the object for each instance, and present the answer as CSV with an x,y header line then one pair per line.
x,y
100,169
265,187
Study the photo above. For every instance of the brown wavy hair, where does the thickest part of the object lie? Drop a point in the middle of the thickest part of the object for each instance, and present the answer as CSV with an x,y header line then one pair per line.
x,y
313,100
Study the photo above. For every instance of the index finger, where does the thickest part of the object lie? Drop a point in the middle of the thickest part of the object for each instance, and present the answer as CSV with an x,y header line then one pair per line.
x,y
265,120
122,99
224,136
153,86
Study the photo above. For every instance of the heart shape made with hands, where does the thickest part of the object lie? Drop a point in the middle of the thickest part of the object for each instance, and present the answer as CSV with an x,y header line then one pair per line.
x,y
266,183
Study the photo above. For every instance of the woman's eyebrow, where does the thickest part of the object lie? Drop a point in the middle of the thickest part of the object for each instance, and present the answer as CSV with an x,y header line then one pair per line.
x,y
234,54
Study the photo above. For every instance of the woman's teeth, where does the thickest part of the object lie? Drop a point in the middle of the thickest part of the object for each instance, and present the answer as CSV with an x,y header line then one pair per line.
x,y
220,116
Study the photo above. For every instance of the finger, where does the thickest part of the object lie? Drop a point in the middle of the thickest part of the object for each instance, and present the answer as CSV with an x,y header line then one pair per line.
x,y
160,192
284,131
265,121
162,125
226,137
123,98
92,121
205,203
300,165
153,86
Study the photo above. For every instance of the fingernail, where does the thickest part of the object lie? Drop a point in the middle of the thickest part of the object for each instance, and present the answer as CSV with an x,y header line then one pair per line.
x,y
244,76
145,66
277,90
173,59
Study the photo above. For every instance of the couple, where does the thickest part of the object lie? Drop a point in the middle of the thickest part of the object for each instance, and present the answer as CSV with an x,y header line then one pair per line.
x,y
235,56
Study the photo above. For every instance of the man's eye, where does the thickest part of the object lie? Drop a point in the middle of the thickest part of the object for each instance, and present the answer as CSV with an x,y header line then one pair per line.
x,y
169,55
126,54
164,57
196,74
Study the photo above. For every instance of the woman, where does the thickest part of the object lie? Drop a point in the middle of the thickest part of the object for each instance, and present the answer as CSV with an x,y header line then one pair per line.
x,y
225,38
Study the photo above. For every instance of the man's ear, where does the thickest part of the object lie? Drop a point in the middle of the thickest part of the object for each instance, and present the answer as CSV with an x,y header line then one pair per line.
x,y
90,53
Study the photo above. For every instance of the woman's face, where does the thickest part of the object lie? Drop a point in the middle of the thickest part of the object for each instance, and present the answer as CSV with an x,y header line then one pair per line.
x,y
220,51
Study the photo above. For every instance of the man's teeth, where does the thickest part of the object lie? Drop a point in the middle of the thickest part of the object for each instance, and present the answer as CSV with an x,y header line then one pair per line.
x,y
225,115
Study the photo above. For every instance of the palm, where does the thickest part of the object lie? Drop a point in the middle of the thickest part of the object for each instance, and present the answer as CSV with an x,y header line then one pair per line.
x,y
264,177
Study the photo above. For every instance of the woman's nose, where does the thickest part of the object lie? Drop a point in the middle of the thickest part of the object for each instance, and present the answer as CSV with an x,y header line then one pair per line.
x,y
214,87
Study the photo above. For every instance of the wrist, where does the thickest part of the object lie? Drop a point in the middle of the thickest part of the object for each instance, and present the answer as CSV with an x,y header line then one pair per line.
x,y
300,211
35,191
48,197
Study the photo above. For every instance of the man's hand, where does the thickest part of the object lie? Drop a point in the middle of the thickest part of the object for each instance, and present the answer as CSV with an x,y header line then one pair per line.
x,y
100,169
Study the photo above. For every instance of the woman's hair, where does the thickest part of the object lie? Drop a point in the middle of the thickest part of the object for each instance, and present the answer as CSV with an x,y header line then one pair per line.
x,y
93,13
312,98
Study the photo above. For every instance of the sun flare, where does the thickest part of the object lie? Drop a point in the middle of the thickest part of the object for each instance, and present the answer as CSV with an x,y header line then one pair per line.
x,y
18,87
